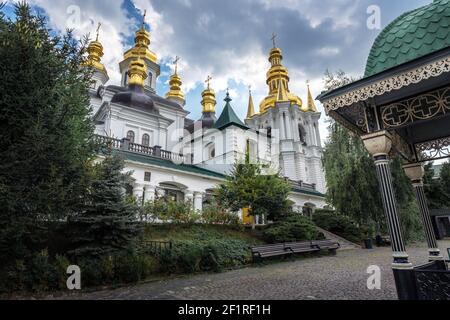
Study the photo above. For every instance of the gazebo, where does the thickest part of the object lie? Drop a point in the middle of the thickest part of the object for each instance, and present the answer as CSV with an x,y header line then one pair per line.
x,y
402,107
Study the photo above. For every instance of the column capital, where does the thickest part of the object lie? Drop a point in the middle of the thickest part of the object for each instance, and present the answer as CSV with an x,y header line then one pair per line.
x,y
415,172
378,144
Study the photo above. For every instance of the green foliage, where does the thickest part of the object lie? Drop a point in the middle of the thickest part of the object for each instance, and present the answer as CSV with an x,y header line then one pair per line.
x,y
170,211
340,225
44,136
437,190
207,255
215,214
107,224
248,187
294,228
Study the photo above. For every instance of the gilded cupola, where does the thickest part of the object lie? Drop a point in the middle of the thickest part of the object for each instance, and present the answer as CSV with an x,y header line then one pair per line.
x,y
209,98
175,92
137,72
141,47
95,54
278,82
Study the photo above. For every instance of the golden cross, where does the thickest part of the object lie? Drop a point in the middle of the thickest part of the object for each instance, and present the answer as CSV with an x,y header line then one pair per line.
x,y
208,80
177,59
274,37
307,82
250,89
98,30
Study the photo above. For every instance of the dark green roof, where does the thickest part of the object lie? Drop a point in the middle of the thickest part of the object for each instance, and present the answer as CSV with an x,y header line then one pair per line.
x,y
228,117
169,164
145,159
308,192
412,35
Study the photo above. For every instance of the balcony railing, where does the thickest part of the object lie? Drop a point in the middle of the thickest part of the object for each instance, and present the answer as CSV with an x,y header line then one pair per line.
x,y
156,152
303,185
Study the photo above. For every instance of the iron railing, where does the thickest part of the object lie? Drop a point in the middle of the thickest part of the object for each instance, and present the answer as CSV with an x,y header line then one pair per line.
x,y
127,145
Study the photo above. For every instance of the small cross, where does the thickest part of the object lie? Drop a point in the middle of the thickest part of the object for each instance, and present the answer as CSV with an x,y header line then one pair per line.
x,y
250,89
307,83
208,80
143,18
98,30
274,37
177,59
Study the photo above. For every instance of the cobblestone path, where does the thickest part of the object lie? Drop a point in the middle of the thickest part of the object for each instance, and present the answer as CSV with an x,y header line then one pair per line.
x,y
339,277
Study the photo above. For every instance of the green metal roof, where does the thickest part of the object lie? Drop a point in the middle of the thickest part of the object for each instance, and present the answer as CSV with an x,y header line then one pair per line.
x,y
411,36
229,117
169,164
145,159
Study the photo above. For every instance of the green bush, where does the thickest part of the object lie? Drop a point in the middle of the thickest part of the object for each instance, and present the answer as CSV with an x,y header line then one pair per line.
x,y
170,211
294,228
338,224
215,214
208,255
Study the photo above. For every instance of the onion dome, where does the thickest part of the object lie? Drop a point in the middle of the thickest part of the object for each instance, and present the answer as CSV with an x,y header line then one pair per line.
x,y
175,93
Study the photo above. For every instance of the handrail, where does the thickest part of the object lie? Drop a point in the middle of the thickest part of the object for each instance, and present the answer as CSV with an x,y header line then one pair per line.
x,y
157,152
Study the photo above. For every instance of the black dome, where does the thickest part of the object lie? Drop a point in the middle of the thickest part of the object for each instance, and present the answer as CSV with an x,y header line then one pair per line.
x,y
135,96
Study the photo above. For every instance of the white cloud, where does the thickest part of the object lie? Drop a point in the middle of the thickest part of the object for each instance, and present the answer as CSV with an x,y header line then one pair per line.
x,y
83,16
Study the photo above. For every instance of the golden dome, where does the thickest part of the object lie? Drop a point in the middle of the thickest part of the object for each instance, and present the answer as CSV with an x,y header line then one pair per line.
x,y
95,54
209,98
137,72
142,42
278,82
175,87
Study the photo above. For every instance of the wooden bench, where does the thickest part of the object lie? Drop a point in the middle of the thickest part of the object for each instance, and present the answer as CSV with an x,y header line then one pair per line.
x,y
329,245
271,250
301,247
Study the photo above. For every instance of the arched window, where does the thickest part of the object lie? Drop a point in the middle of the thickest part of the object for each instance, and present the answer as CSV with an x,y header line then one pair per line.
x,y
302,134
150,78
212,152
269,132
131,136
146,140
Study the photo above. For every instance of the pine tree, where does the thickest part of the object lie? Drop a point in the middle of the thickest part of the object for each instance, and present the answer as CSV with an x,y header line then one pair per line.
x,y
108,224
44,132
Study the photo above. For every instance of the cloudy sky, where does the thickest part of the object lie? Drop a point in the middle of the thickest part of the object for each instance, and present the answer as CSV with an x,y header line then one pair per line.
x,y
230,40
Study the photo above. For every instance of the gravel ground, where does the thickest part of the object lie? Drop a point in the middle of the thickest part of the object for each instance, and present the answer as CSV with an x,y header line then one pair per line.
x,y
340,277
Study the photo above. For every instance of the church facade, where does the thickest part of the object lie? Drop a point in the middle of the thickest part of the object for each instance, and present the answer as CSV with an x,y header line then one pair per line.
x,y
184,159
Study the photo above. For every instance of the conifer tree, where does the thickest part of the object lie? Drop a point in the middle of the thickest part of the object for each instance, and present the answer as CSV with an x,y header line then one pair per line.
x,y
44,130
108,224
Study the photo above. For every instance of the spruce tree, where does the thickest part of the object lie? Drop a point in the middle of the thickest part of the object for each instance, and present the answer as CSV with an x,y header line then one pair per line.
x,y
44,131
108,224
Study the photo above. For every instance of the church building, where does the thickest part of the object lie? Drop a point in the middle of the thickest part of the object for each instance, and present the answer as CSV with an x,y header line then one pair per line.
x,y
184,159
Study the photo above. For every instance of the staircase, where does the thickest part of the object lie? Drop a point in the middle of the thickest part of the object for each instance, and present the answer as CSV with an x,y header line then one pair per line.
x,y
345,244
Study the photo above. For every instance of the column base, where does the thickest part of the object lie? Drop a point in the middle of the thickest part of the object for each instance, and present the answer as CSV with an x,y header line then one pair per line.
x,y
405,281
435,255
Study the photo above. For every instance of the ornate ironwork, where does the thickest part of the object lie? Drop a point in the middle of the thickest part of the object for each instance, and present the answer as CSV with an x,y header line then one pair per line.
x,y
396,82
433,282
426,106
433,150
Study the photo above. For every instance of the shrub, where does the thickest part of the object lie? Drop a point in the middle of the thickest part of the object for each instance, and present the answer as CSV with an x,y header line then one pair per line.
x,y
294,228
338,224
209,255
170,211
215,214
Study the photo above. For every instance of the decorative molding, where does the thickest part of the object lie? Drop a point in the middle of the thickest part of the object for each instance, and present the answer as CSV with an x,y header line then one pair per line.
x,y
433,150
423,107
397,82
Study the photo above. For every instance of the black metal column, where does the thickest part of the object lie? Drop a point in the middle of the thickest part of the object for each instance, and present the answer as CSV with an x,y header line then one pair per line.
x,y
403,269
416,172
435,253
